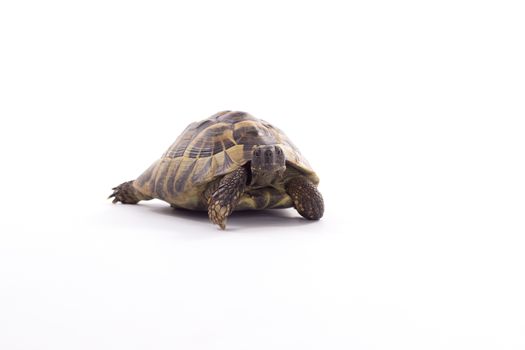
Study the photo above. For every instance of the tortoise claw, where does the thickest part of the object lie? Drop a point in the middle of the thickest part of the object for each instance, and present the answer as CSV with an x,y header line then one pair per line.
x,y
218,215
124,193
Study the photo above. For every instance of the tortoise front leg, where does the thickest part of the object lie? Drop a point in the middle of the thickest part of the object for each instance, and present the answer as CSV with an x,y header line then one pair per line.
x,y
225,198
306,198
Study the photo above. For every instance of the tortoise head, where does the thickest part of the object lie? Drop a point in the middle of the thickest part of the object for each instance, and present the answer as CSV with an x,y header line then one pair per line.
x,y
268,164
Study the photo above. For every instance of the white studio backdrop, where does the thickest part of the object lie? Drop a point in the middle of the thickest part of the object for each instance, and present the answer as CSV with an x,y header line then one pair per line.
x,y
412,113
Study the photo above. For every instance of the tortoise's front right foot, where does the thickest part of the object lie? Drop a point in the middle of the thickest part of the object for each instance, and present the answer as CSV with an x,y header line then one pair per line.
x,y
127,194
306,198
226,197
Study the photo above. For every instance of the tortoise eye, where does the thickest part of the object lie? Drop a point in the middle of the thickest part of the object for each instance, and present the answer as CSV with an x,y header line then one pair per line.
x,y
257,153
279,151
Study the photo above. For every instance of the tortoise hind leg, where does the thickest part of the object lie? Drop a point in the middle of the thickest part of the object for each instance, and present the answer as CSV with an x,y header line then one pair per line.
x,y
226,197
307,200
127,194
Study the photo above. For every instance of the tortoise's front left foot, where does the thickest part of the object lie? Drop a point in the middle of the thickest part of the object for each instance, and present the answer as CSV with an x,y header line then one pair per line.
x,y
306,198
127,194
226,197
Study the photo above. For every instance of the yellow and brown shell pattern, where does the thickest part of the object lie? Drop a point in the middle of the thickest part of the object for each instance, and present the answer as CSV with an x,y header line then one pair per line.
x,y
214,147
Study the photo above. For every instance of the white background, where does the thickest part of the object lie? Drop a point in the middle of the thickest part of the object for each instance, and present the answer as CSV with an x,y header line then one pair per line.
x,y
411,112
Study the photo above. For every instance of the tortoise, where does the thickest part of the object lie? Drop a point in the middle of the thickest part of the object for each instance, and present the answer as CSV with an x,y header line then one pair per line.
x,y
230,161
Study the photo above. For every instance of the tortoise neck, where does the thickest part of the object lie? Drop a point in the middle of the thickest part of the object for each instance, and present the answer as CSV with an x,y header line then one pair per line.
x,y
265,177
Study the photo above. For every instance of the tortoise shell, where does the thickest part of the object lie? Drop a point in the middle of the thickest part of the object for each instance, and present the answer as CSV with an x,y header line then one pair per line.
x,y
211,148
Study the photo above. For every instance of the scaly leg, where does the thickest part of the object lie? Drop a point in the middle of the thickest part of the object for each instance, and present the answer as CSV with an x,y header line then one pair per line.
x,y
127,194
306,198
225,198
